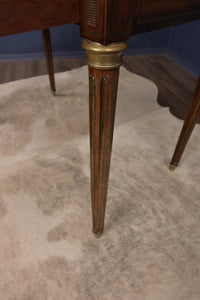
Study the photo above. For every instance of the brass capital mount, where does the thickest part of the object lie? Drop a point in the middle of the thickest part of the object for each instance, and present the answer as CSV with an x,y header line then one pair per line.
x,y
104,57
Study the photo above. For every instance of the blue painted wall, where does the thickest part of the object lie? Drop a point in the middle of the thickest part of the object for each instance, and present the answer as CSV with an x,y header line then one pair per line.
x,y
180,42
66,42
149,43
184,46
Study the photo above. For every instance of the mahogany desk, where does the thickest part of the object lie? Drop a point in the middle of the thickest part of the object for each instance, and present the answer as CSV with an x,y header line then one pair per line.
x,y
105,25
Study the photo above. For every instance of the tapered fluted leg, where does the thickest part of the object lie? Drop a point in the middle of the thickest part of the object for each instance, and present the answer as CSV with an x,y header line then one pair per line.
x,y
104,62
187,129
103,92
49,58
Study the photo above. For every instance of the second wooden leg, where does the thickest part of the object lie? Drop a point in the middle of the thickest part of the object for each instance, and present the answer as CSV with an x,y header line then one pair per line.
x,y
49,58
187,129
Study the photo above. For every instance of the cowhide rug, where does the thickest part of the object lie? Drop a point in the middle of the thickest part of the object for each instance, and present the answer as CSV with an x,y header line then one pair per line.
x,y
150,249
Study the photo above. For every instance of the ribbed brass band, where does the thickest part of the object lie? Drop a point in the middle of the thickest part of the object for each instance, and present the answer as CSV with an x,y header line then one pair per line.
x,y
104,57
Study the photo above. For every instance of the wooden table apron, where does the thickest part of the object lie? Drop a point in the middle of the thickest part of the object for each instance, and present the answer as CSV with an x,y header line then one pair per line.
x,y
106,22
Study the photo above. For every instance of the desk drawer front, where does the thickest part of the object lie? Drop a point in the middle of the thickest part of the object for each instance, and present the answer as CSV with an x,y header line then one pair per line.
x,y
154,14
158,9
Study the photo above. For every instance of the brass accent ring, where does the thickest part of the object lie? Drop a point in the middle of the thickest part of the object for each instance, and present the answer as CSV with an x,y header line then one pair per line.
x,y
104,57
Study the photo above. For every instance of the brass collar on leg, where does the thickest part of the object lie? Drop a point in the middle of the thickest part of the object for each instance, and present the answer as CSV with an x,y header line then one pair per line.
x,y
104,57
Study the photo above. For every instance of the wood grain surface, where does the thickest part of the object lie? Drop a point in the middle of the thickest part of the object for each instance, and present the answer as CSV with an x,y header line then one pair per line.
x,y
104,21
23,15
118,20
153,14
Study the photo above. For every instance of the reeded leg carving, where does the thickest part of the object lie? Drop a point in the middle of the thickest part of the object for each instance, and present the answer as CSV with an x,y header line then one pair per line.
x,y
49,58
104,63
187,129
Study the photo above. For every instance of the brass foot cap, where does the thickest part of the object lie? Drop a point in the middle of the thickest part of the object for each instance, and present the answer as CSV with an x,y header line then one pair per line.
x,y
53,93
172,167
97,234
